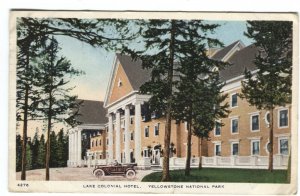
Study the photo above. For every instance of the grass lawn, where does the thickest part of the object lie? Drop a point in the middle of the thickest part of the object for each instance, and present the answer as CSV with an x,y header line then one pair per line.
x,y
223,175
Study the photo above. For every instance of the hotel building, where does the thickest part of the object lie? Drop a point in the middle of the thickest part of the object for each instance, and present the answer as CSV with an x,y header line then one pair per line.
x,y
133,135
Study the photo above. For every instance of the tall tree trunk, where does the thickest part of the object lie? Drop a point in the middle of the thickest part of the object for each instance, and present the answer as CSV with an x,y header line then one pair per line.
x,y
49,117
24,141
25,119
48,142
188,156
200,140
166,170
270,147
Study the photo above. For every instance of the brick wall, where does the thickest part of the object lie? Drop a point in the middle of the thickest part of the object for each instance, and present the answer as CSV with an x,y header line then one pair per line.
x,y
243,112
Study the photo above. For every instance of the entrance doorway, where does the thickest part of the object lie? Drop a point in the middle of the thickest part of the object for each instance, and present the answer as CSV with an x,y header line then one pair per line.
x,y
156,155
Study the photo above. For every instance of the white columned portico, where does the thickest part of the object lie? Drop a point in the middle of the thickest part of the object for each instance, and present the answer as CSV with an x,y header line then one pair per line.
x,y
137,132
127,134
110,138
78,160
118,136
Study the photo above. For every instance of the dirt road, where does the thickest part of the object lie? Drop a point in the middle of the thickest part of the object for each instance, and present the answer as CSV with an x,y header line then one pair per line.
x,y
77,174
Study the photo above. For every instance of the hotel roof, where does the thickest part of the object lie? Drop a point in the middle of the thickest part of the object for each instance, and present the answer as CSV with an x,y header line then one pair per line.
x,y
239,58
219,55
134,71
91,112
239,61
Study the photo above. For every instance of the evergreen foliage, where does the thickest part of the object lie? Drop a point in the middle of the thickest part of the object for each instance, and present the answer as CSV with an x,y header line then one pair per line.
x,y
18,153
34,32
55,103
53,149
29,156
59,151
27,96
35,149
197,98
270,86
41,153
170,47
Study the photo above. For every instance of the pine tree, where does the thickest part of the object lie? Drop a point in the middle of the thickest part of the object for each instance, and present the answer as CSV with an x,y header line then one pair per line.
x,y
55,74
167,46
198,85
34,32
27,97
198,99
29,156
159,56
60,149
41,153
53,159
271,85
35,148
209,108
18,153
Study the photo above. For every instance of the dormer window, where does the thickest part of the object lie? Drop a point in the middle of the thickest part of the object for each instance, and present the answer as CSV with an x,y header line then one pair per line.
x,y
119,83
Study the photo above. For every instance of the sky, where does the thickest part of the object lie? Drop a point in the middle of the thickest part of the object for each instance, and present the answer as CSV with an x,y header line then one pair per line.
x,y
97,63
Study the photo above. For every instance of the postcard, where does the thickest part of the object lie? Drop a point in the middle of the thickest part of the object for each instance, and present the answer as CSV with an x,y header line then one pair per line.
x,y
153,102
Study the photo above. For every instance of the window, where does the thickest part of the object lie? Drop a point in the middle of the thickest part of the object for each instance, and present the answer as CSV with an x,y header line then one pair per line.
x,y
131,136
131,120
92,143
217,149
107,141
123,137
146,153
283,118
255,122
156,130
96,142
147,131
234,98
119,82
234,125
255,147
235,149
218,128
100,142
284,146
267,118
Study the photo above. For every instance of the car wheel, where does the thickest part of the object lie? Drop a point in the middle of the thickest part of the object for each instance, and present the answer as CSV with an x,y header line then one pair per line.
x,y
130,174
99,173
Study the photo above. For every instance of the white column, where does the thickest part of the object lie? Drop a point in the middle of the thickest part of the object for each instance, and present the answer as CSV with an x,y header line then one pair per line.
x,y
73,148
110,138
127,134
118,136
137,132
70,147
79,147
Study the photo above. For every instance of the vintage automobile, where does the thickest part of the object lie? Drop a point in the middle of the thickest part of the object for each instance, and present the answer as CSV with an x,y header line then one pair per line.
x,y
126,170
